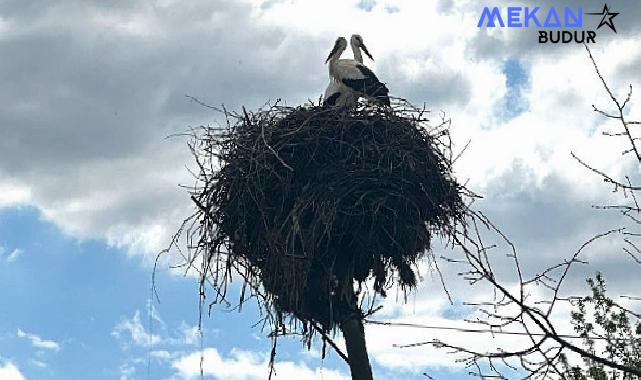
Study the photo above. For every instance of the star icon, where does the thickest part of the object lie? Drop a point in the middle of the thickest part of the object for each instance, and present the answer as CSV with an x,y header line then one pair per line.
x,y
607,17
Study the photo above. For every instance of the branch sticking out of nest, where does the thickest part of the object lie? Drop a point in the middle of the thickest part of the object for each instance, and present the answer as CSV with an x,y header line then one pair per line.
x,y
306,202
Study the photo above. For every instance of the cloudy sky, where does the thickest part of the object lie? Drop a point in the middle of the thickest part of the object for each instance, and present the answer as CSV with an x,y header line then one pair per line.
x,y
90,182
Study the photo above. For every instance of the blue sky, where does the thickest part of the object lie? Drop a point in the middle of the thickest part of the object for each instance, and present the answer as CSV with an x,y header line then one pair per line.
x,y
76,308
516,81
75,294
90,185
85,300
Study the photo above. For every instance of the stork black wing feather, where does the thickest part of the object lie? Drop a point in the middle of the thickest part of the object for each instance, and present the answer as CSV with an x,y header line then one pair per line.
x,y
369,85
331,100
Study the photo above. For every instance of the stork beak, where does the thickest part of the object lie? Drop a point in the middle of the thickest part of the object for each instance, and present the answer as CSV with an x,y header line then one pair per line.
x,y
329,56
366,52
334,50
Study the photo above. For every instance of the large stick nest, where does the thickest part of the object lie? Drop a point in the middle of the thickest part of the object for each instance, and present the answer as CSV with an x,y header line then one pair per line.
x,y
306,202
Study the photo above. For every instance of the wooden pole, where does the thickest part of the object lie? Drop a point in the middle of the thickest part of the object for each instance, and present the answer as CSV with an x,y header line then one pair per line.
x,y
354,335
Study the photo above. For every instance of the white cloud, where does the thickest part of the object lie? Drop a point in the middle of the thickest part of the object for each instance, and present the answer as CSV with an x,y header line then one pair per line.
x,y
427,307
14,254
246,365
39,363
12,194
191,334
385,343
10,255
138,332
107,171
8,371
127,371
161,355
38,342
132,328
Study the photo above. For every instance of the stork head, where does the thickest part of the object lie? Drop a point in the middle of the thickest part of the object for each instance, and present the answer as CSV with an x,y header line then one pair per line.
x,y
339,46
357,41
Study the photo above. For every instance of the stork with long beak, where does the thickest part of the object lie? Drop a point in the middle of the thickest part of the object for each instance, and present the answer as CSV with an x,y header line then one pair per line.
x,y
353,74
338,94
356,42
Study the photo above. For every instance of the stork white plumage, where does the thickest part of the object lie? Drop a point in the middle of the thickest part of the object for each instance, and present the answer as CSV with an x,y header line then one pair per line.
x,y
338,94
353,74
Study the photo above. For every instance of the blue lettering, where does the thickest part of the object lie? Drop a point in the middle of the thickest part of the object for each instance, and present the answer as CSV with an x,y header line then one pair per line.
x,y
490,16
531,16
552,14
513,16
576,18
518,17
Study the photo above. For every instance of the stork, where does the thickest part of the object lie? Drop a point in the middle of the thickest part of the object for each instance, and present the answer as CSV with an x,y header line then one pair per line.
x,y
353,74
338,94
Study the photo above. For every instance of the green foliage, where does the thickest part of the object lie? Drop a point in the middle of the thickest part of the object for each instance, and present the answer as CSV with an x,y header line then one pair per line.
x,y
602,322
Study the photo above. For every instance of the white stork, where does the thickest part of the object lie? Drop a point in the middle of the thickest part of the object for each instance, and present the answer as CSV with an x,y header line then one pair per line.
x,y
353,74
338,94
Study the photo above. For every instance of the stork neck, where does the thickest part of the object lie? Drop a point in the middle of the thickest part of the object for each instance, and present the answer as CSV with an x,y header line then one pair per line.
x,y
332,62
337,54
332,68
357,53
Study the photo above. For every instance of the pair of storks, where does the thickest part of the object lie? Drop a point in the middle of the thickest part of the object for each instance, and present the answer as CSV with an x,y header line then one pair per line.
x,y
350,79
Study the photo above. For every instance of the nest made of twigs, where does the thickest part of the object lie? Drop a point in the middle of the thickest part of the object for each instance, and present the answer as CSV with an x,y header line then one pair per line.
x,y
305,202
